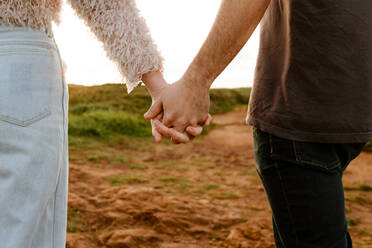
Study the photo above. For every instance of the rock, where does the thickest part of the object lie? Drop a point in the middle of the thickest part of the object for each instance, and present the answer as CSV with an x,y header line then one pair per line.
x,y
76,240
129,238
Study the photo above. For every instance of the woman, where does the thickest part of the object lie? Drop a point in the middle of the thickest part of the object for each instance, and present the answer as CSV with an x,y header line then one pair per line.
x,y
34,108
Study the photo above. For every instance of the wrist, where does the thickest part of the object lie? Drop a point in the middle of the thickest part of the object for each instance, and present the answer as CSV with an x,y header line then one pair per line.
x,y
154,82
194,79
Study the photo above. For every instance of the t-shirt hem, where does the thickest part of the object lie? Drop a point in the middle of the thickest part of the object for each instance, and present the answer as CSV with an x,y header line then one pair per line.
x,y
308,136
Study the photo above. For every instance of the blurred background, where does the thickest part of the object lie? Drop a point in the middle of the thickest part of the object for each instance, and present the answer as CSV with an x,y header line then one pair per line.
x,y
178,27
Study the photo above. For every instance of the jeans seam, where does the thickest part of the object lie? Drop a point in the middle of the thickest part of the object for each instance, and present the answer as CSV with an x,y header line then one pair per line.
x,y
64,142
287,204
279,234
54,216
274,219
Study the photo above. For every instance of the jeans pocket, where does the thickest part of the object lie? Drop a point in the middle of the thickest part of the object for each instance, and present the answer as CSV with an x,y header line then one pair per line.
x,y
319,155
27,72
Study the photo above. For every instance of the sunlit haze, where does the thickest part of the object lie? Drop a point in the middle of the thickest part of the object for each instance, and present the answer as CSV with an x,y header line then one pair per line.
x,y
178,27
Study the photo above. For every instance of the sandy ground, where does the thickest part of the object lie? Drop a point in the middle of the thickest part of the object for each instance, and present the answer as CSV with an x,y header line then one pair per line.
x,y
203,194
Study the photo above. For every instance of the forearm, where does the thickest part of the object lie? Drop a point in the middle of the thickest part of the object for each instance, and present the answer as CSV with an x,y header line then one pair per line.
x,y
234,24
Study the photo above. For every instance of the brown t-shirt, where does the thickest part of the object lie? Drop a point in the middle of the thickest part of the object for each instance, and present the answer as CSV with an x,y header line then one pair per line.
x,y
313,77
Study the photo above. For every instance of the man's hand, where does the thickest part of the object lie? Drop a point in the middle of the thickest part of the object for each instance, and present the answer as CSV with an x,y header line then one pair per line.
x,y
156,84
183,105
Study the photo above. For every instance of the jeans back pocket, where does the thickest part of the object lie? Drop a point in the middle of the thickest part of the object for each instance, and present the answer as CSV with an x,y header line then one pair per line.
x,y
27,73
319,155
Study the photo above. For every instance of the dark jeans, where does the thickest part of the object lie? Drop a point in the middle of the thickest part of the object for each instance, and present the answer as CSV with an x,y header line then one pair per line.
x,y
303,183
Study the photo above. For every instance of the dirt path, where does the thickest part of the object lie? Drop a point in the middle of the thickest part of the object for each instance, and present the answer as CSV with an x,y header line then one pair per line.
x,y
202,194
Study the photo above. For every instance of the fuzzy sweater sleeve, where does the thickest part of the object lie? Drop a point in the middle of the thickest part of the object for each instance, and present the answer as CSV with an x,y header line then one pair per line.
x,y
124,34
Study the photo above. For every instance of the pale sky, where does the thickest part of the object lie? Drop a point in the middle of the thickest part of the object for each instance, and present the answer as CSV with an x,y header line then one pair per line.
x,y
179,27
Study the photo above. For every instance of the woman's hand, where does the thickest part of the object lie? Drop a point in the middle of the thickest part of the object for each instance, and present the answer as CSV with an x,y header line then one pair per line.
x,y
155,83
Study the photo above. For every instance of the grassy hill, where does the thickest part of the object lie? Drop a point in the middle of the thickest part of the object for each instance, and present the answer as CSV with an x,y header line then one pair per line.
x,y
103,111
105,118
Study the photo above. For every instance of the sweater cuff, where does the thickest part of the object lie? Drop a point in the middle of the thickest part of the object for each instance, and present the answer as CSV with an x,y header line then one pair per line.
x,y
133,79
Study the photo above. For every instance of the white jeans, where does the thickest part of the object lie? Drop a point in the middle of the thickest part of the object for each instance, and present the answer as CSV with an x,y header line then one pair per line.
x,y
33,141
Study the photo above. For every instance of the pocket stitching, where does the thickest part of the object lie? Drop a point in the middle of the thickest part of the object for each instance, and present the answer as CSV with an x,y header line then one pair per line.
x,y
41,53
28,122
327,166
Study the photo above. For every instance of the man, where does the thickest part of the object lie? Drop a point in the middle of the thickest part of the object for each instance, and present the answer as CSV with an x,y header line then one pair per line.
x,y
311,105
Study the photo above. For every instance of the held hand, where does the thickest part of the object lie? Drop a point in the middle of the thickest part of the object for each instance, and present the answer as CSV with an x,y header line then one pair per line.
x,y
182,106
177,137
159,130
156,83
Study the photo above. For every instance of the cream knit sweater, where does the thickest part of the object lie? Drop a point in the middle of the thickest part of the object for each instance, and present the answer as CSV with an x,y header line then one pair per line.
x,y
116,23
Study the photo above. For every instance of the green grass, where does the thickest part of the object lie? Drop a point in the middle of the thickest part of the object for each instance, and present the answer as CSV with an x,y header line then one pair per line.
x,y
352,221
84,149
365,233
138,167
224,195
75,221
254,208
225,100
107,110
210,186
106,97
103,117
171,165
118,180
166,165
173,180
360,187
362,200
368,147
250,172
97,158
222,173
108,123
365,187
173,183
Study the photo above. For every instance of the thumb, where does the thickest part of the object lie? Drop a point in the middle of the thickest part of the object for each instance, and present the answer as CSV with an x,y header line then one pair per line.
x,y
155,109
